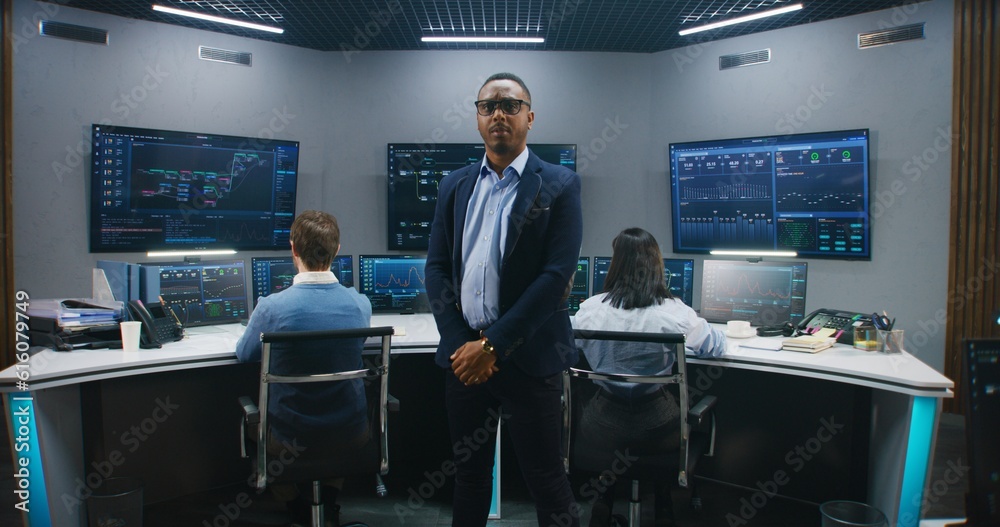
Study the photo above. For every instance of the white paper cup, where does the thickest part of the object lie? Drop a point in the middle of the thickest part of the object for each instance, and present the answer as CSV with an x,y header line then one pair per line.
x,y
130,335
738,328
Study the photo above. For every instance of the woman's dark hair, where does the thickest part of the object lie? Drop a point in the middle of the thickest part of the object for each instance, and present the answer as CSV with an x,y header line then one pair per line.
x,y
635,277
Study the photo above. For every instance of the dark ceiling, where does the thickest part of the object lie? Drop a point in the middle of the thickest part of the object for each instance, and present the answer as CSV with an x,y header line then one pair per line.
x,y
635,26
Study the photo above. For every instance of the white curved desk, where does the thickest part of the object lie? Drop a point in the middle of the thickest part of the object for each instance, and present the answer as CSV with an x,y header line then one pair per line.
x,y
906,396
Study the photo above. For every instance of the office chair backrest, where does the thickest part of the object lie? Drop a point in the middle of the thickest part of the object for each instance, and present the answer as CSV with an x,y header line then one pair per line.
x,y
678,377
292,370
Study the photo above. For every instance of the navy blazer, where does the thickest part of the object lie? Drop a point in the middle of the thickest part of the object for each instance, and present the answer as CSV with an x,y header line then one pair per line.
x,y
544,236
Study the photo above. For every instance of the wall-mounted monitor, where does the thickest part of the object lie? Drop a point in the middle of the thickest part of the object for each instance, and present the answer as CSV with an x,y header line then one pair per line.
x,y
160,189
415,171
581,285
678,272
393,283
765,293
271,274
200,293
807,193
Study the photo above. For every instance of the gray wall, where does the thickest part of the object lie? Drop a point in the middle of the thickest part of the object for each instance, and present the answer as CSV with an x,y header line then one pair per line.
x,y
621,109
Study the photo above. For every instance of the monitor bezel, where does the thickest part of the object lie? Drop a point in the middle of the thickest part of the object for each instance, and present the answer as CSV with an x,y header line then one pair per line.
x,y
413,306
392,209
793,317
279,221
869,193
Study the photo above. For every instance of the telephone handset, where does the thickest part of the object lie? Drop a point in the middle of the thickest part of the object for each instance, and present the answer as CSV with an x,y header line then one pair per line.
x,y
842,321
158,325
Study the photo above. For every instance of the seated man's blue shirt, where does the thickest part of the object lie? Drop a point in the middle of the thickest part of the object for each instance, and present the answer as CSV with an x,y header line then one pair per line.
x,y
311,409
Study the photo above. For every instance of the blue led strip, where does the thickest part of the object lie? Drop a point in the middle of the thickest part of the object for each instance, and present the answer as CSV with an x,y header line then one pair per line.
x,y
918,455
29,479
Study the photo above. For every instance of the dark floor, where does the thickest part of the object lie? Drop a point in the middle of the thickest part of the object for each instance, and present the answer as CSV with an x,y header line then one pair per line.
x,y
721,503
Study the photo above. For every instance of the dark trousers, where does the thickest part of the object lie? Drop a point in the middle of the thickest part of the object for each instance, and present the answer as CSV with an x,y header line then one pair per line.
x,y
532,412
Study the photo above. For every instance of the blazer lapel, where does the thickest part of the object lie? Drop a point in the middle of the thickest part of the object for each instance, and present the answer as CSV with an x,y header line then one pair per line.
x,y
527,191
463,192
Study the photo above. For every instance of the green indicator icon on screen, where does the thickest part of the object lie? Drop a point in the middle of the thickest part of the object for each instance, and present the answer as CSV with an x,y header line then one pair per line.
x,y
814,156
846,154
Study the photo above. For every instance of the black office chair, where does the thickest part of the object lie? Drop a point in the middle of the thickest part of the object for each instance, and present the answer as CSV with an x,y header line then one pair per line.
x,y
697,425
371,458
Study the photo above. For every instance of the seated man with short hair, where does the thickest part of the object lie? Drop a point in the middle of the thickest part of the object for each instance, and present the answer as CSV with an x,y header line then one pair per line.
x,y
317,417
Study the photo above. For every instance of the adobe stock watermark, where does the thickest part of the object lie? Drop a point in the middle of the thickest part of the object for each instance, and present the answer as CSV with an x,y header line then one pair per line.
x,y
612,131
913,170
435,480
563,10
953,477
200,201
900,15
592,489
796,119
984,275
689,54
131,440
122,106
27,28
363,35
230,512
796,459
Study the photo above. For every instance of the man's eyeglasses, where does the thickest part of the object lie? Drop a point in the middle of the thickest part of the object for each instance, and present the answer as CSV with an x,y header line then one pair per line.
x,y
507,106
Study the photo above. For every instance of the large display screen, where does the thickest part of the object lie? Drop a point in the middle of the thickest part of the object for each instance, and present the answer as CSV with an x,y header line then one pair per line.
x,y
272,274
807,193
678,272
160,189
415,171
765,293
393,283
200,293
581,285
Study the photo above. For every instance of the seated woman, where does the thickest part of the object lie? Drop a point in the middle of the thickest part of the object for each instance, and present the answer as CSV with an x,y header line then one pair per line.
x,y
645,417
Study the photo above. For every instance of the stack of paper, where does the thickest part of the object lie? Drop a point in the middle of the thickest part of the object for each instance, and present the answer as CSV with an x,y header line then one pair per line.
x,y
808,343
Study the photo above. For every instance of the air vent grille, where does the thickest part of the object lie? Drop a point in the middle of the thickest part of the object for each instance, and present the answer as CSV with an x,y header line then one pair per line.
x,y
890,36
749,58
242,58
91,35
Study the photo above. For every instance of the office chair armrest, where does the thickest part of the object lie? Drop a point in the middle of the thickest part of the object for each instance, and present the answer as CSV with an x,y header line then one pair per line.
x,y
702,409
251,414
392,403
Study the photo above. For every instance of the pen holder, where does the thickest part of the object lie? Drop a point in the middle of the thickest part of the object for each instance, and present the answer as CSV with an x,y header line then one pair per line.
x,y
890,341
865,338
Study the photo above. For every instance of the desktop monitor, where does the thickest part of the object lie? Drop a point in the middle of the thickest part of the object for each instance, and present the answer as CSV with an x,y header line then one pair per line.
x,y
808,193
581,285
275,273
765,293
161,189
678,272
200,293
393,283
415,171
981,390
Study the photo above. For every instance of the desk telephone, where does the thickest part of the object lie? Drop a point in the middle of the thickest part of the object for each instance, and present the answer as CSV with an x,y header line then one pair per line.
x,y
159,324
842,321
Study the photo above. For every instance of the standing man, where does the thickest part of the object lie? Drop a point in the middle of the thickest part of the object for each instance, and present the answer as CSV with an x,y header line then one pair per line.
x,y
504,245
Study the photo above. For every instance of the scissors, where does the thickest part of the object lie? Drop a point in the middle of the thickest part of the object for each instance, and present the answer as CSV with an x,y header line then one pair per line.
x,y
882,321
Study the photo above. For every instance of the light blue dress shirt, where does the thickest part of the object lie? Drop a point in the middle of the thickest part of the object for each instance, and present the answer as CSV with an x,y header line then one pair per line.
x,y
483,240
